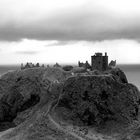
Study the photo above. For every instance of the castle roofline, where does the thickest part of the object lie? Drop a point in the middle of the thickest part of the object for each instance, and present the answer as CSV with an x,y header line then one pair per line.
x,y
100,54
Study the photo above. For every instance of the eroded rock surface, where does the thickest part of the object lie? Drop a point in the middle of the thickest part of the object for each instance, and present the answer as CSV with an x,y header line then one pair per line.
x,y
95,99
20,90
118,75
39,102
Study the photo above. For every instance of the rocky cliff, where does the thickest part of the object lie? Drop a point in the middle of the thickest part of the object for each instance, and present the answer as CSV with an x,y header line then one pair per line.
x,y
95,99
50,103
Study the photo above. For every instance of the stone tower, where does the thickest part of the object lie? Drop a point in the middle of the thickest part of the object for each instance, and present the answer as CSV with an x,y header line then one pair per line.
x,y
99,62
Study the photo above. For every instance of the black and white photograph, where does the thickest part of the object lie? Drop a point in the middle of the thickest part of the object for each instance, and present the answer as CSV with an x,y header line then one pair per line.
x,y
69,69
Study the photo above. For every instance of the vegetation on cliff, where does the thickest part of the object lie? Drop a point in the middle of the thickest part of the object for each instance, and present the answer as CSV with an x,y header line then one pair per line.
x,y
51,103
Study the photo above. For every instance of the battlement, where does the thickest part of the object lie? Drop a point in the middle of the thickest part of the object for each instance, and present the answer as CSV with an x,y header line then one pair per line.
x,y
98,54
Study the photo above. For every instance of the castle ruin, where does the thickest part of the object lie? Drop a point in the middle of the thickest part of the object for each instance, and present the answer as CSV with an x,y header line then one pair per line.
x,y
31,65
99,62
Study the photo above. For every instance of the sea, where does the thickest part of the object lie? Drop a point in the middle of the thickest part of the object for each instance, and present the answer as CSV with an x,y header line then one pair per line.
x,y
132,72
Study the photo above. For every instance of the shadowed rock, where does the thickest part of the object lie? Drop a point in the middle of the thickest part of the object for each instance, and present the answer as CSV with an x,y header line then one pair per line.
x,y
67,68
21,90
95,99
118,75
40,100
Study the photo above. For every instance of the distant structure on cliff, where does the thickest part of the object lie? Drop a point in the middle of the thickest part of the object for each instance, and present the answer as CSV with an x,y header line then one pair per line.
x,y
112,64
85,65
31,65
98,62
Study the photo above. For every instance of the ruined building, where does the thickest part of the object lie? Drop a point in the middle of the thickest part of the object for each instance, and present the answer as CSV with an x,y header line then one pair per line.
x,y
30,65
99,62
112,64
84,65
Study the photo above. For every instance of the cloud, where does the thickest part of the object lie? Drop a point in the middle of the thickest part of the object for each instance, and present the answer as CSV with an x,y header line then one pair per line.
x,y
84,22
60,43
27,52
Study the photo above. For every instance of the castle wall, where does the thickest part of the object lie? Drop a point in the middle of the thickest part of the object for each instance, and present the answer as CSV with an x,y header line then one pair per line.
x,y
105,63
97,62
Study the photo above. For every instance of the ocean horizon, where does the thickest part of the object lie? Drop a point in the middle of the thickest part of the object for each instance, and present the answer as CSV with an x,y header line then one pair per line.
x,y
132,71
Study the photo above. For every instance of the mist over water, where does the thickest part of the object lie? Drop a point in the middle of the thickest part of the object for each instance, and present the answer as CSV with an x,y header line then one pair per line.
x,y
6,68
132,72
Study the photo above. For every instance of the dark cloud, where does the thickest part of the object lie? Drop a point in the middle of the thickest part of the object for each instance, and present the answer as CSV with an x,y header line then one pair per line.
x,y
85,24
26,52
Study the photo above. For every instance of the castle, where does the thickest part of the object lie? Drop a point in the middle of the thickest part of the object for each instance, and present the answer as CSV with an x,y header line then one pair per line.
x,y
98,62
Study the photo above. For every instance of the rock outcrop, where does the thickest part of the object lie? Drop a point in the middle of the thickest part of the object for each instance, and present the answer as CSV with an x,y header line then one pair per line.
x,y
118,74
20,90
50,103
68,68
96,99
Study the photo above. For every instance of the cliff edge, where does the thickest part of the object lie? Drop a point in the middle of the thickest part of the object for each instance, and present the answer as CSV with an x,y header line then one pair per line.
x,y
50,103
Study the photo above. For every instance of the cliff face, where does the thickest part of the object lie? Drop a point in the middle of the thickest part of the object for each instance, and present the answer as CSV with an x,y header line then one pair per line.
x,y
118,74
95,99
34,101
21,90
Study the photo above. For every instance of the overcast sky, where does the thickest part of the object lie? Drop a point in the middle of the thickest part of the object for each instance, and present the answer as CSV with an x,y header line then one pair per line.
x,y
66,31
